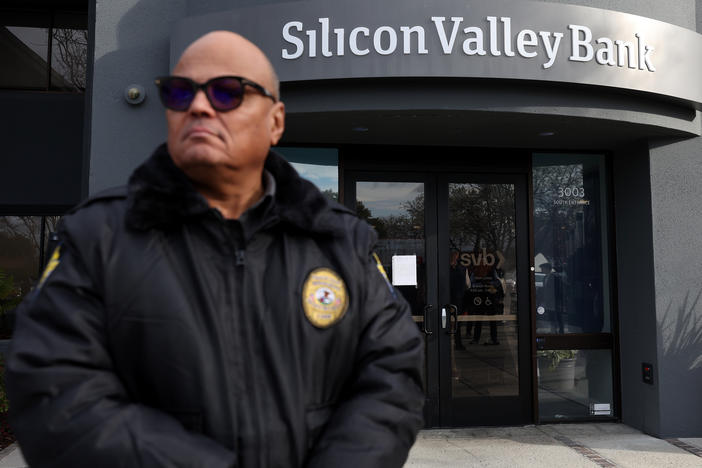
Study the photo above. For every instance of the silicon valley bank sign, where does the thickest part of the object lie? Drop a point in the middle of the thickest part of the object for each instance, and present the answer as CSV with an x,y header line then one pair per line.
x,y
495,39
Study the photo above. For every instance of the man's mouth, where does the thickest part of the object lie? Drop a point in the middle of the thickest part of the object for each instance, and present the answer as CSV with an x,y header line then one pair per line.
x,y
199,131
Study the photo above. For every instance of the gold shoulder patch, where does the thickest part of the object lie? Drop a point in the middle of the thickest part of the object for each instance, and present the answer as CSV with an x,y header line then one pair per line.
x,y
379,264
50,266
381,269
324,297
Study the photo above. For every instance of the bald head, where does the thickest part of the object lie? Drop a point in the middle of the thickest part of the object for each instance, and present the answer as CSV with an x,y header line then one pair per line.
x,y
232,52
224,151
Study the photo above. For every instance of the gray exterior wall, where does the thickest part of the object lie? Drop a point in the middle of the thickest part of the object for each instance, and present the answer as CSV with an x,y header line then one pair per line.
x,y
131,47
656,183
676,12
636,297
658,222
676,169
676,221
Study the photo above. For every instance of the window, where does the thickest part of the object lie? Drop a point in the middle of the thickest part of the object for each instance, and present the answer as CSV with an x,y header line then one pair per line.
x,y
573,311
24,248
572,284
575,384
43,50
318,165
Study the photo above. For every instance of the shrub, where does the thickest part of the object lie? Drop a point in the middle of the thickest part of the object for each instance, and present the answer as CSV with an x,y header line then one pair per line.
x,y
554,356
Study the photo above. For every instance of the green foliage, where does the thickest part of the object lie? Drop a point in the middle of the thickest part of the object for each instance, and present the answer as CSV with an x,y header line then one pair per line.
x,y
407,223
4,403
331,194
9,293
6,284
362,211
554,356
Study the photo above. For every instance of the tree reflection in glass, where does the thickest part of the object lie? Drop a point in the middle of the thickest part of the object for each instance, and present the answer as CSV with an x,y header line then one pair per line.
x,y
481,231
396,211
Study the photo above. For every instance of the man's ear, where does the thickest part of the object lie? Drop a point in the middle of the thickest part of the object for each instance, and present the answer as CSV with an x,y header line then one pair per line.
x,y
277,122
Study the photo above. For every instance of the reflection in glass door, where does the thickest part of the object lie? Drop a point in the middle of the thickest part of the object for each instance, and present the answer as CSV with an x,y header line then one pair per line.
x,y
482,272
397,213
485,356
575,343
453,248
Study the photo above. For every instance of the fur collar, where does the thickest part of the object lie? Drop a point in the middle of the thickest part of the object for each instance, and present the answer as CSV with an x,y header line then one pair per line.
x,y
161,196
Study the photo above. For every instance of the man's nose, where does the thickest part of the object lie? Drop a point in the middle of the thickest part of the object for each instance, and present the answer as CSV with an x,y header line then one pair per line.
x,y
201,105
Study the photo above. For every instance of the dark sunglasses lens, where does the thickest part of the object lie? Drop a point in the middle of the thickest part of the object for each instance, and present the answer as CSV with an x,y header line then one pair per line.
x,y
225,93
176,93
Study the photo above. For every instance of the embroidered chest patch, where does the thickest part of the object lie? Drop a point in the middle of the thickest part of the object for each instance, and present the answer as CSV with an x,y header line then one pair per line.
x,y
324,297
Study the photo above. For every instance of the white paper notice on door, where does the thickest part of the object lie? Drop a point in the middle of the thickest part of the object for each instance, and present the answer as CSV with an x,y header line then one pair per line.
x,y
404,270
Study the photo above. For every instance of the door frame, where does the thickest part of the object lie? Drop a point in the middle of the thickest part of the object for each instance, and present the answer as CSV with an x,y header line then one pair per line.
x,y
454,412
412,164
431,403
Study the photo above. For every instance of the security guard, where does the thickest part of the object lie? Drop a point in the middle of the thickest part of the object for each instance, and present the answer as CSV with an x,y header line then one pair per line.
x,y
218,311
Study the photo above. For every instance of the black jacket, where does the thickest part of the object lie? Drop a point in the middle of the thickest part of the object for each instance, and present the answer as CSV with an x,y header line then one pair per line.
x,y
167,336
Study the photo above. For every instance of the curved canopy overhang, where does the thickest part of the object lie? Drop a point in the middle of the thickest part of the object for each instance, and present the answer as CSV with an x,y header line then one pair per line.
x,y
478,113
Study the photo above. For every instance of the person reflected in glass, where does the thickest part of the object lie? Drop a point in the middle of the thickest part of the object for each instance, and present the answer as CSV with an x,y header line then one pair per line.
x,y
486,296
584,274
552,297
458,284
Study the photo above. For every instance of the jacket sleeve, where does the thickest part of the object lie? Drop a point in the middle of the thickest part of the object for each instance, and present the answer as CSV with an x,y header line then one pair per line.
x,y
68,408
376,424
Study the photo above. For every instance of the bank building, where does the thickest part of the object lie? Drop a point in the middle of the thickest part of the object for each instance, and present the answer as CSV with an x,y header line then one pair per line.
x,y
532,168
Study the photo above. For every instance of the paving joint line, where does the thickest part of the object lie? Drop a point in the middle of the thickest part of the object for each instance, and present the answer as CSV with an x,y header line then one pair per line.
x,y
8,450
583,450
463,449
685,446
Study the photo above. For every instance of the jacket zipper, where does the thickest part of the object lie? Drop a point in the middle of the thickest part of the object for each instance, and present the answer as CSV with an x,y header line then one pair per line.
x,y
245,326
240,257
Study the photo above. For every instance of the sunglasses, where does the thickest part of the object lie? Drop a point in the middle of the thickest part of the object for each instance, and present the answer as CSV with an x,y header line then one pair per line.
x,y
225,93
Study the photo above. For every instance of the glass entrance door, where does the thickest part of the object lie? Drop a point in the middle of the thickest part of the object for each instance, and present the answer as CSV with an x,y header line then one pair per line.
x,y
396,207
484,350
455,246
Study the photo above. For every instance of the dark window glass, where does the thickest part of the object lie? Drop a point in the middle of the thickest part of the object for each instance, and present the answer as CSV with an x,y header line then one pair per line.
x,y
20,241
575,384
318,165
69,52
23,54
571,277
396,212
482,274
42,51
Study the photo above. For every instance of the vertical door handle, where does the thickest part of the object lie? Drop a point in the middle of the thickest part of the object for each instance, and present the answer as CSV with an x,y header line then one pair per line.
x,y
427,310
443,318
453,318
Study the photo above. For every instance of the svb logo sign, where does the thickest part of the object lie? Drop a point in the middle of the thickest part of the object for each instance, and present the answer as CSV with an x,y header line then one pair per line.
x,y
482,258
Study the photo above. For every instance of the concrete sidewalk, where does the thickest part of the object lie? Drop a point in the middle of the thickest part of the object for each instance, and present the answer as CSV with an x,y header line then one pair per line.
x,y
557,446
11,457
